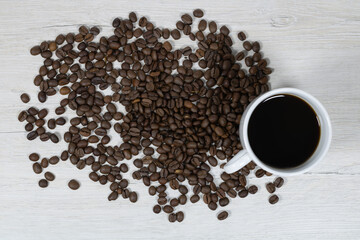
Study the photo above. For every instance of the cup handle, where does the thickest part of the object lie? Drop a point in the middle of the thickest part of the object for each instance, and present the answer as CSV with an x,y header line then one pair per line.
x,y
237,162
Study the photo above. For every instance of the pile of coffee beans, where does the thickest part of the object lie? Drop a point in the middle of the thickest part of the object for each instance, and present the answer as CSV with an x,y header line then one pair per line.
x,y
183,108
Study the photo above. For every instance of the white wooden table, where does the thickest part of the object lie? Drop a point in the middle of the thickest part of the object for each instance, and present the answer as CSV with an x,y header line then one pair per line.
x,y
314,46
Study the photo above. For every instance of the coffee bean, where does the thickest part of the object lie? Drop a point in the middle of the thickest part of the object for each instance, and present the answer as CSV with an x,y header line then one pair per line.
x,y
256,46
54,138
22,116
212,27
60,121
49,176
168,209
212,206
223,215
29,127
113,196
148,151
37,168
54,160
202,25
133,197
243,193
259,173
172,217
43,183
175,34
241,36
36,50
180,216
279,181
247,45
253,189
223,202
182,199
270,187
273,199
198,13
157,209
194,198
44,163
186,18
132,17
224,30
42,113
51,123
73,184
25,98
34,157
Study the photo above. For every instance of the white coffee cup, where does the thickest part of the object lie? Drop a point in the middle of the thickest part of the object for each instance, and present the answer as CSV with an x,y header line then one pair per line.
x,y
246,155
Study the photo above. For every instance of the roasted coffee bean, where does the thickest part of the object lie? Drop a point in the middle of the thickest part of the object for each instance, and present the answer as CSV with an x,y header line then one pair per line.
x,y
187,19
247,45
168,209
202,25
22,116
212,27
60,121
42,113
113,196
182,199
270,187
175,34
259,173
25,98
29,127
54,138
73,184
133,197
44,163
223,202
51,123
174,202
273,199
279,181
34,157
43,183
222,215
36,50
172,217
253,189
243,193
180,216
241,36
198,13
49,176
157,209
194,198
37,168
54,160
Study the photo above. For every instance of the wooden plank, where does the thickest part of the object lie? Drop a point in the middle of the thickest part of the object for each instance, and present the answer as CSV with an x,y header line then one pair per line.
x,y
312,45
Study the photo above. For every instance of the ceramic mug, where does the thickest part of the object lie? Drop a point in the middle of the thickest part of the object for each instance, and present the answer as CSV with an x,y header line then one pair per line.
x,y
246,155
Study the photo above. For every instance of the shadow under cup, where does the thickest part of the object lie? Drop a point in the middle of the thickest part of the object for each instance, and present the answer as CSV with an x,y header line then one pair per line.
x,y
324,138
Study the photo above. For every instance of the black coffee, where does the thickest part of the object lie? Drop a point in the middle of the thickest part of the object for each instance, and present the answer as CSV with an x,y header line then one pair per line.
x,y
283,131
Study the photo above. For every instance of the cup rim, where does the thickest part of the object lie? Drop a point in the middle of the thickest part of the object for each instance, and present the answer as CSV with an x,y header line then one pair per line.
x,y
296,92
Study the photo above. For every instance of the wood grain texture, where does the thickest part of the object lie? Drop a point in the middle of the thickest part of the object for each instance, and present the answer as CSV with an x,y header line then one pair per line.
x,y
312,45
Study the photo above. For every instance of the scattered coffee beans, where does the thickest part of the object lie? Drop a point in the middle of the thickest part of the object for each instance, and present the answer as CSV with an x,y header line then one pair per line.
x,y
182,108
